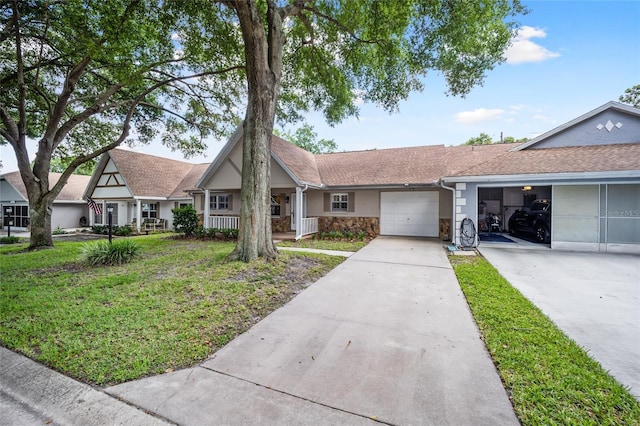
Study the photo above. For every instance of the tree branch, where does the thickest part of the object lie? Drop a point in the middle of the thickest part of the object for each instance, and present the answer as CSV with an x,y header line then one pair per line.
x,y
339,25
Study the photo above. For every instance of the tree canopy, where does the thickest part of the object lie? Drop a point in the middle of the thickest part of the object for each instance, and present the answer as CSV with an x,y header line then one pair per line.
x,y
485,139
631,96
306,138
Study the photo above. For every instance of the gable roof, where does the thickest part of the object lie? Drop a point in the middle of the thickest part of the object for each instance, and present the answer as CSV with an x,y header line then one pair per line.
x,y
299,164
614,106
72,191
148,175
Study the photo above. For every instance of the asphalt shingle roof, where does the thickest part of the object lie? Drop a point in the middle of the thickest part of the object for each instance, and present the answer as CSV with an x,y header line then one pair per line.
x,y
301,163
149,175
72,191
596,158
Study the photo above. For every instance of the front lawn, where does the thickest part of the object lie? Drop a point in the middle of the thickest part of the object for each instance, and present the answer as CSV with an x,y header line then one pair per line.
x,y
550,379
340,245
172,307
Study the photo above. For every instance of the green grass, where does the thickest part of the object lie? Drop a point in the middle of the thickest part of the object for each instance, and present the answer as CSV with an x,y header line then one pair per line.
x,y
550,379
325,244
172,307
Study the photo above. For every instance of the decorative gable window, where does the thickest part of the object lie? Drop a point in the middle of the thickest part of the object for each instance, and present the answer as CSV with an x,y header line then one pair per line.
x,y
149,210
339,202
220,202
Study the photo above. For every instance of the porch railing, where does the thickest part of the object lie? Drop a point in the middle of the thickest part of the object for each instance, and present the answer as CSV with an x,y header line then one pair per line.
x,y
309,226
224,222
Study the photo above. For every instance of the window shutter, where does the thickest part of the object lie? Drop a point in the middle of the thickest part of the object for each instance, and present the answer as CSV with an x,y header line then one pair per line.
x,y
327,202
351,206
230,202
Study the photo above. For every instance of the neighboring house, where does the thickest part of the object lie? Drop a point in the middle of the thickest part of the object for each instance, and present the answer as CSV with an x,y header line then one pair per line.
x,y
69,209
141,187
589,168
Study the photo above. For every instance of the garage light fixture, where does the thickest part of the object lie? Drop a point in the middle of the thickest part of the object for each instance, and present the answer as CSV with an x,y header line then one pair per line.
x,y
527,188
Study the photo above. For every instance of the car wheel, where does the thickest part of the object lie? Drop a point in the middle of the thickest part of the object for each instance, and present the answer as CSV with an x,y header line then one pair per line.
x,y
542,234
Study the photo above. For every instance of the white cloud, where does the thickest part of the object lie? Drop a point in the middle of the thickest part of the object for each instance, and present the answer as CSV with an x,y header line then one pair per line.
x,y
523,50
478,115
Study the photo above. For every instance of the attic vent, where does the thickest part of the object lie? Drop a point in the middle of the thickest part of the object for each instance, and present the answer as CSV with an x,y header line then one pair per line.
x,y
609,126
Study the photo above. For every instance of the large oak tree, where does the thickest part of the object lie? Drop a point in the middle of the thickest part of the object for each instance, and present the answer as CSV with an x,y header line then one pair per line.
x,y
79,77
330,54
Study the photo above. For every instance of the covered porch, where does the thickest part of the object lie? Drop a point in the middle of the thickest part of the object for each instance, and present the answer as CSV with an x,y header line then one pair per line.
x,y
288,212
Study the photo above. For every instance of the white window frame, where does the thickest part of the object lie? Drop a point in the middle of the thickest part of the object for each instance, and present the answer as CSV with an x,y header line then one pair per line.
x,y
339,202
150,210
219,202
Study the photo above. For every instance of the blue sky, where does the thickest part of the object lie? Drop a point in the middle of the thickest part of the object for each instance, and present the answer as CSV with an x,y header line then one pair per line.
x,y
569,58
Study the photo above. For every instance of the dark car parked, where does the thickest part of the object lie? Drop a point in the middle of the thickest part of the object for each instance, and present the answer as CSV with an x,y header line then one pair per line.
x,y
534,220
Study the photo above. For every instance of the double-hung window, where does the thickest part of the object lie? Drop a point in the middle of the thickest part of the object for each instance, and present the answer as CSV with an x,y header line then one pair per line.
x,y
339,202
219,202
149,210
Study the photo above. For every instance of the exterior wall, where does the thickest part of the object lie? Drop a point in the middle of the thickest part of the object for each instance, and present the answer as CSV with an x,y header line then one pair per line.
x,y
595,131
366,214
8,193
281,224
68,215
367,204
229,174
369,225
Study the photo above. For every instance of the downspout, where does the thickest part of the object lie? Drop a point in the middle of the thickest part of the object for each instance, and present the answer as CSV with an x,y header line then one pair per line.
x,y
452,226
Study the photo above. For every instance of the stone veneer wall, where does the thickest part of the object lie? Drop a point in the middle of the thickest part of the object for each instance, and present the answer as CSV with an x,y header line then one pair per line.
x,y
281,224
370,225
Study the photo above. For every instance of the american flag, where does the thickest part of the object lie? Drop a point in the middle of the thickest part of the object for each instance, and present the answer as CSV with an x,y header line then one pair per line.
x,y
94,206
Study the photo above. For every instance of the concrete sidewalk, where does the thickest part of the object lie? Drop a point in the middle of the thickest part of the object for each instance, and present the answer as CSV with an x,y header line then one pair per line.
x,y
386,336
32,394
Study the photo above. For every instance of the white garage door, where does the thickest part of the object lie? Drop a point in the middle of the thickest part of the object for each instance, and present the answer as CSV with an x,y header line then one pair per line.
x,y
409,213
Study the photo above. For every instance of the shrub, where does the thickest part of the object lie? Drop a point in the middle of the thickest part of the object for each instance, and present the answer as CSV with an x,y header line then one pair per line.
x,y
199,232
99,229
361,235
230,233
185,220
59,231
335,235
104,253
121,231
9,240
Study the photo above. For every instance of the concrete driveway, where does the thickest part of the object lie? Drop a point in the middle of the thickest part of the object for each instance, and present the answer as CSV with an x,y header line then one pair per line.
x,y
593,297
386,336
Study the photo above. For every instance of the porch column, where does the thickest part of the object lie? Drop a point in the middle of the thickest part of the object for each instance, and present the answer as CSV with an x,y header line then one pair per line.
x,y
138,214
298,212
207,209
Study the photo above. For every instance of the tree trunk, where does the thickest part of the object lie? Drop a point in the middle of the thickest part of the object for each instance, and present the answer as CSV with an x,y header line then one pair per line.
x,y
40,221
40,206
263,54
